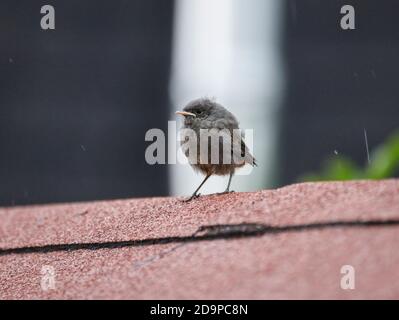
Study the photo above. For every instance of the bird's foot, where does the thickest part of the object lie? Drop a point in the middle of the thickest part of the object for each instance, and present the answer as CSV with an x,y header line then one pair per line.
x,y
194,196
225,192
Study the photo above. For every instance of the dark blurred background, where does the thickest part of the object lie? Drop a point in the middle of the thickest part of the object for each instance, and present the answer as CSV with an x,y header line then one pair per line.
x,y
75,102
338,82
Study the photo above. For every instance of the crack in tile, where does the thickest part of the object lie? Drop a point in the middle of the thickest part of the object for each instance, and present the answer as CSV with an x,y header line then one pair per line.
x,y
204,233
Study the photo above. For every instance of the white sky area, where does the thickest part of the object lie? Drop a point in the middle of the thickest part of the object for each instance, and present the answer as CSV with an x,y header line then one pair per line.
x,y
228,50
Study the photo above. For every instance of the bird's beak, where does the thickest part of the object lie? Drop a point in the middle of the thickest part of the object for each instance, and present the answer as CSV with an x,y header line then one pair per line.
x,y
184,113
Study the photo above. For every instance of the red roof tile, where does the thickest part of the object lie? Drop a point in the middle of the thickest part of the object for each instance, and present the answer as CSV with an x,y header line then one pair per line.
x,y
284,243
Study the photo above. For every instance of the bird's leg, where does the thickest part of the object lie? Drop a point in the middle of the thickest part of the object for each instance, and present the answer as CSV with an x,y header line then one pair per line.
x,y
228,185
195,195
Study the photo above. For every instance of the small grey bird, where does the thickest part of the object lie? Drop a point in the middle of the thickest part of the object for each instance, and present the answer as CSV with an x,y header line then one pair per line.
x,y
205,116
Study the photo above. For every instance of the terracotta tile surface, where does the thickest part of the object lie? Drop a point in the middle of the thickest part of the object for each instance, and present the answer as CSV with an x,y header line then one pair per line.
x,y
272,244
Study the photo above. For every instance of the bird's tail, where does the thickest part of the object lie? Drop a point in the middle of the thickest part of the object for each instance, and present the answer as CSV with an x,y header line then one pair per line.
x,y
250,159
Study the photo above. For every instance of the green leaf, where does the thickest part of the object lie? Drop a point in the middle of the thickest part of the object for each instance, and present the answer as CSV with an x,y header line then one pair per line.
x,y
384,163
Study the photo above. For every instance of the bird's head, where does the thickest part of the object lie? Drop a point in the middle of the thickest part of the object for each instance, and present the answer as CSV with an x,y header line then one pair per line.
x,y
197,111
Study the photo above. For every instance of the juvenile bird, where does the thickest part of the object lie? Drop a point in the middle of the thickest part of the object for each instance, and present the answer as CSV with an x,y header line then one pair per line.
x,y
211,122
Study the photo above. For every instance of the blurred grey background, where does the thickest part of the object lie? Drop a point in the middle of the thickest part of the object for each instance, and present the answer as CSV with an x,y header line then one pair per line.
x,y
76,102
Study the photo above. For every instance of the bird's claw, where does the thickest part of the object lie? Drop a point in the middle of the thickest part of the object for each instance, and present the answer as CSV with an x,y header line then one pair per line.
x,y
194,196
225,192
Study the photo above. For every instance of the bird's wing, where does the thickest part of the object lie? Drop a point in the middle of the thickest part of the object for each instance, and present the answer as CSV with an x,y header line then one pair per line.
x,y
240,149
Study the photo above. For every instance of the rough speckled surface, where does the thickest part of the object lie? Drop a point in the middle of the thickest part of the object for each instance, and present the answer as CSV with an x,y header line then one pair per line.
x,y
302,263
